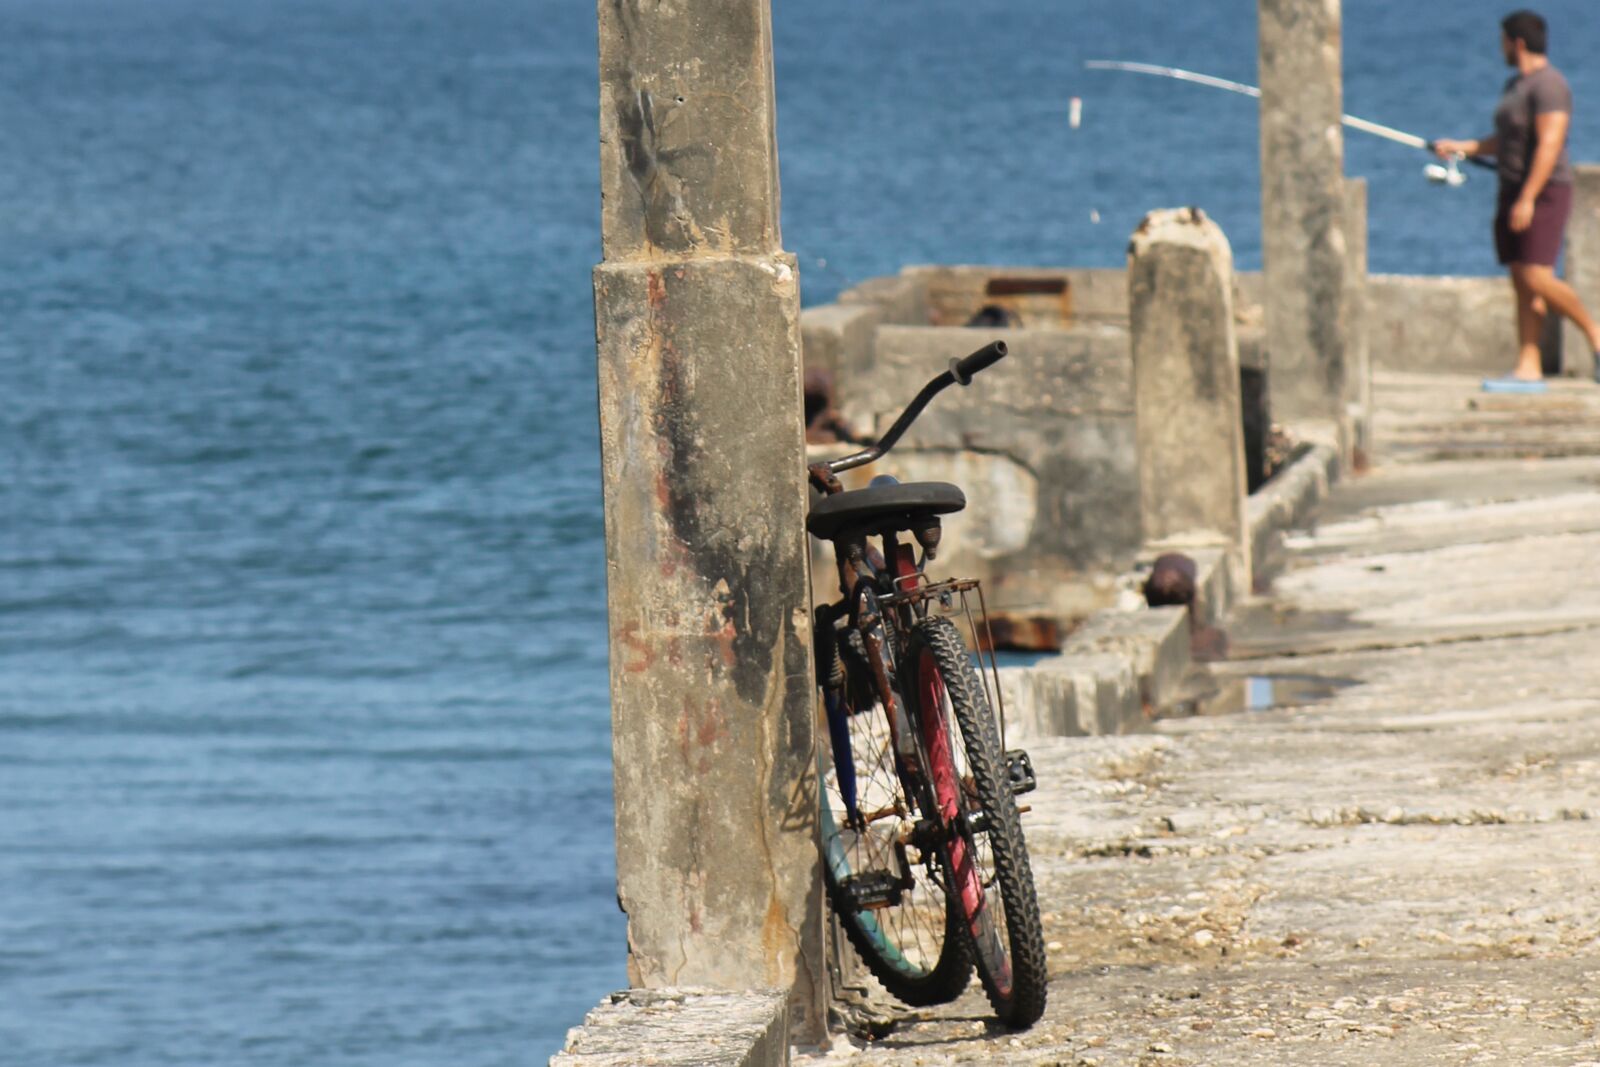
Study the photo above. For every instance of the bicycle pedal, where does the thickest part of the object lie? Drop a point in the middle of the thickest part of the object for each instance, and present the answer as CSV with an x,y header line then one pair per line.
x,y
1019,769
874,890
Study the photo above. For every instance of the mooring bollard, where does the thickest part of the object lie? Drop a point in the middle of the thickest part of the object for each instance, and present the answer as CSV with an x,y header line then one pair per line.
x,y
697,322
1186,386
1302,208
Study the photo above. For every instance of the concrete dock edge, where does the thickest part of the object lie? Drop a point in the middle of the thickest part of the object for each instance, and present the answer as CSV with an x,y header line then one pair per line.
x,y
1287,499
681,1028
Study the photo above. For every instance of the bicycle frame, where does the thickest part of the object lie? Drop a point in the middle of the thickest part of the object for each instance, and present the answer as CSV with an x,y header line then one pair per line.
x,y
895,579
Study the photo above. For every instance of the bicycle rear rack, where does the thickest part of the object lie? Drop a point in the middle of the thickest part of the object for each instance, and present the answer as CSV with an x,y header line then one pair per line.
x,y
950,599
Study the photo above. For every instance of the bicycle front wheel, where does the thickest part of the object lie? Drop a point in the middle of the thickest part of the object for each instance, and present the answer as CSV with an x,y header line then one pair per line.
x,y
990,879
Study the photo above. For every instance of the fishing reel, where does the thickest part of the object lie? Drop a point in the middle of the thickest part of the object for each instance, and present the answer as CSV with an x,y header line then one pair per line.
x,y
1447,173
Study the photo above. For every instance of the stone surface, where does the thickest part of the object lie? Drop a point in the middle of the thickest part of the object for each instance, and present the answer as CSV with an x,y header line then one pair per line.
x,y
1431,417
681,1028
702,457
688,152
1583,267
1440,325
955,293
1302,206
1358,349
1186,381
1155,642
839,339
1287,499
1396,867
901,299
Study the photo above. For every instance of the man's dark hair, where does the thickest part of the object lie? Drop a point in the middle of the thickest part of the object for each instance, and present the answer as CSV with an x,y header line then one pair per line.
x,y
1527,27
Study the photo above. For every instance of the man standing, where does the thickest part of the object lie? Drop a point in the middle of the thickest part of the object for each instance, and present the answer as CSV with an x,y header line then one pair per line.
x,y
1529,144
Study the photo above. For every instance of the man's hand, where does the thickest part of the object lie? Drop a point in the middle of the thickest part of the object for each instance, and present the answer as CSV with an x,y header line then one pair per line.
x,y
1446,148
1521,216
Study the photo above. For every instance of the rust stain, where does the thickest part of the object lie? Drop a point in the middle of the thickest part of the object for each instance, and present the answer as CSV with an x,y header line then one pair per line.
x,y
698,729
637,647
711,724
775,939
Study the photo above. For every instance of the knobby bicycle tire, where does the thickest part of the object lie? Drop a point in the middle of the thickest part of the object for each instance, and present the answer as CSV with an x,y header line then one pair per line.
x,y
1005,934
917,948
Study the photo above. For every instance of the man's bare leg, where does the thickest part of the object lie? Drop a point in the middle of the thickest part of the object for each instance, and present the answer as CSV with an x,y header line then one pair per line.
x,y
1558,296
1530,324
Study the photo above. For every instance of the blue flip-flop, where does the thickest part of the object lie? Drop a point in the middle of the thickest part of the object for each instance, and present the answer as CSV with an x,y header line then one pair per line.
x,y
1508,384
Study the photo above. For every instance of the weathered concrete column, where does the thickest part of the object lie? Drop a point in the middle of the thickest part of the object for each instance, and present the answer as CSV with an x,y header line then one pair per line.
x,y
1302,207
1186,386
697,321
1583,266
1358,348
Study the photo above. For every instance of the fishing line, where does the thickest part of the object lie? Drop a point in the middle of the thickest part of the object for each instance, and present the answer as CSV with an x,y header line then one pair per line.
x,y
1448,173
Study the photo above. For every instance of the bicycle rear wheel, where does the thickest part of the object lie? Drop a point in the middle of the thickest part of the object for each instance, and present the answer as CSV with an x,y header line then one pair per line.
x,y
887,892
990,879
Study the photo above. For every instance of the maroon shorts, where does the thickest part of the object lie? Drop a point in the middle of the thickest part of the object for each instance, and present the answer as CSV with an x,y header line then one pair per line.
x,y
1540,243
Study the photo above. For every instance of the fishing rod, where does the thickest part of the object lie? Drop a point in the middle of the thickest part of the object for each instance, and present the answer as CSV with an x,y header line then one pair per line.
x,y
1450,173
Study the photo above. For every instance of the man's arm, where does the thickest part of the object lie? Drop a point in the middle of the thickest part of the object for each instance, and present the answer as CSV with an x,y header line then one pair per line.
x,y
1483,146
1552,127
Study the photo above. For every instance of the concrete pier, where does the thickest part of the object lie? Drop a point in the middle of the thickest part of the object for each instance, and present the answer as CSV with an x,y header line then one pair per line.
x,y
697,325
1302,207
1186,385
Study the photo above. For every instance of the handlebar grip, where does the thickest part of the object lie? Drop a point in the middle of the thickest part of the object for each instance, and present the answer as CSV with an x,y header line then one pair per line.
x,y
963,369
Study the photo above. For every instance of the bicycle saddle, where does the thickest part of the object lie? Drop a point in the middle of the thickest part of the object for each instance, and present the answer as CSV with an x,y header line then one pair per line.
x,y
882,505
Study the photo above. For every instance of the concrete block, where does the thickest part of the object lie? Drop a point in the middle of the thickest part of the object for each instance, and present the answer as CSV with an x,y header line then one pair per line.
x,y
1358,352
955,293
1022,715
1099,691
1302,205
1155,643
1440,325
1186,380
1284,502
1583,267
1060,407
839,339
681,1028
901,300
1068,698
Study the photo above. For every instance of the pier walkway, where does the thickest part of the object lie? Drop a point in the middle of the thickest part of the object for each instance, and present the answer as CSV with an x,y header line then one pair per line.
x,y
1393,855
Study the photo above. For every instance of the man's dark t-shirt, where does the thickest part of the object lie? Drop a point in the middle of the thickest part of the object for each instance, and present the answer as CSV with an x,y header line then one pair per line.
x,y
1527,96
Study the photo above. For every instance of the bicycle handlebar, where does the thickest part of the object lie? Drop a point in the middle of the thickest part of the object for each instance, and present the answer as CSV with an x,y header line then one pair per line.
x,y
960,373
984,358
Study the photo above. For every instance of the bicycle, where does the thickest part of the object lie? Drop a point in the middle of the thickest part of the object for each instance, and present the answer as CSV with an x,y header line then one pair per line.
x,y
923,854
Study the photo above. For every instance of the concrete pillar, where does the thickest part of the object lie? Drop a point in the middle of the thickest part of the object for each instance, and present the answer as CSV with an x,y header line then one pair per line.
x,y
1358,349
1302,207
1186,386
1583,266
697,324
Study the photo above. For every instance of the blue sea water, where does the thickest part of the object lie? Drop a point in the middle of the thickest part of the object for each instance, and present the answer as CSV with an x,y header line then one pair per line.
x,y
303,716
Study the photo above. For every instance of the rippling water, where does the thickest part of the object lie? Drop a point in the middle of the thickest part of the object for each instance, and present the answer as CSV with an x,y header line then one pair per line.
x,y
303,725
